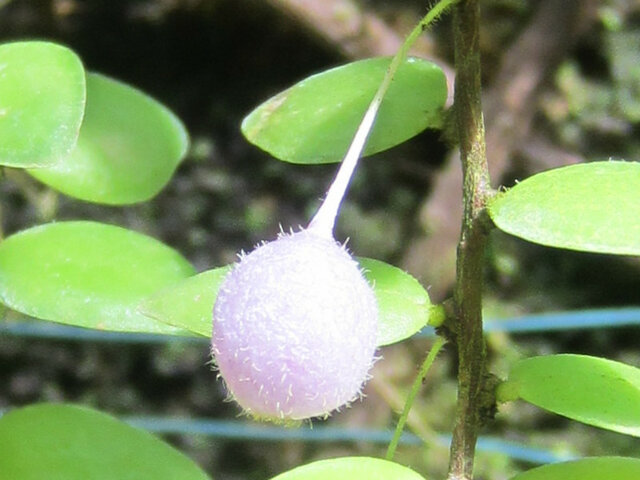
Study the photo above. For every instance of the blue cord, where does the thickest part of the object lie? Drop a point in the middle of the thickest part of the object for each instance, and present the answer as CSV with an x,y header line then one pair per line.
x,y
579,319
239,430
571,320
42,329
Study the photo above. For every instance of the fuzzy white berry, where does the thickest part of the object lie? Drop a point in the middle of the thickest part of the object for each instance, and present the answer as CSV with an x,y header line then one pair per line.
x,y
295,328
295,323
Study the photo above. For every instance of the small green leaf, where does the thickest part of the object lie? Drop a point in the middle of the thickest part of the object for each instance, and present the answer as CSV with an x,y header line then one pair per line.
x,y
591,390
315,120
128,149
76,443
42,98
87,274
594,468
189,304
591,207
403,303
350,468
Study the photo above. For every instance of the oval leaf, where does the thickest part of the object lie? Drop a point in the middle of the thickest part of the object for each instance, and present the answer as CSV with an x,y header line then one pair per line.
x,y
591,390
42,99
128,149
76,443
592,207
595,468
350,468
315,120
403,303
189,304
87,274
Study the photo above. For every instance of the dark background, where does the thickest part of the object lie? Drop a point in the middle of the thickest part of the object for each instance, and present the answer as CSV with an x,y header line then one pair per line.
x,y
213,61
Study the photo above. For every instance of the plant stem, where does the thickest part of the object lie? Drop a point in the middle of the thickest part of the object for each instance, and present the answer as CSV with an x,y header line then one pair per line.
x,y
417,383
324,219
467,329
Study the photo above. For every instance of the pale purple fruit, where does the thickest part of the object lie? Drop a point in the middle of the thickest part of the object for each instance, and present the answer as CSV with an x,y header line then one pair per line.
x,y
295,327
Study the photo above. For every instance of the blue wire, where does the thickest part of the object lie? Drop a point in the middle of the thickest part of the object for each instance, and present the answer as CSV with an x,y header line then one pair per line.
x,y
571,320
43,329
579,319
525,453
238,430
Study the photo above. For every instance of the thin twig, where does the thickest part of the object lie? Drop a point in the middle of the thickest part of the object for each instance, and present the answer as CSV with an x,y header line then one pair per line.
x,y
415,388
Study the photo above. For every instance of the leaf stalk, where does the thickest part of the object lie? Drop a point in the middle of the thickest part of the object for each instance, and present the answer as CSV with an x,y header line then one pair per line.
x,y
415,388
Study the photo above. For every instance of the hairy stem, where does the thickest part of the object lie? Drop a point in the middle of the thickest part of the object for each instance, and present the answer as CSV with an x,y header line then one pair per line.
x,y
467,328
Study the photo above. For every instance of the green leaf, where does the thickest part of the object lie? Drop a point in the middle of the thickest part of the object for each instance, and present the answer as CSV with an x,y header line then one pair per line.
x,y
188,304
76,443
591,207
350,468
87,274
128,149
42,98
591,390
403,303
315,120
594,468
